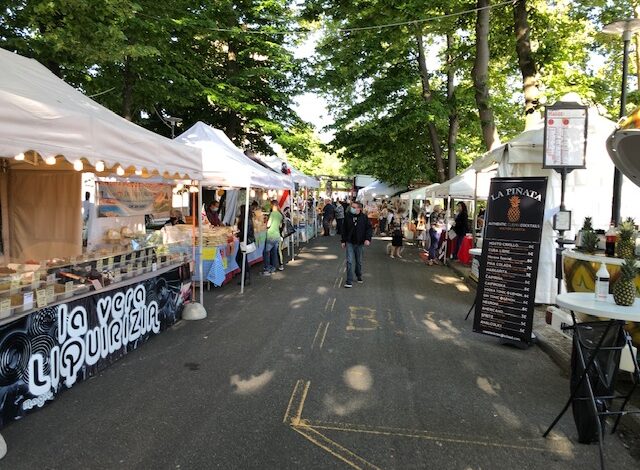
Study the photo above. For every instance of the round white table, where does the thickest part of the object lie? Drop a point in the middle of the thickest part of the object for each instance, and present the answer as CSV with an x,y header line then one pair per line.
x,y
585,355
475,251
585,302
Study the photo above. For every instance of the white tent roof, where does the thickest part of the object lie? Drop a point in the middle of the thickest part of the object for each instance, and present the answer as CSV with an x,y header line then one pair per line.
x,y
377,189
225,165
418,193
303,180
463,186
41,114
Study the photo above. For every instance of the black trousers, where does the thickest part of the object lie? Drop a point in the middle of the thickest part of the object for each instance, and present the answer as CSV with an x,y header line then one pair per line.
x,y
247,274
339,223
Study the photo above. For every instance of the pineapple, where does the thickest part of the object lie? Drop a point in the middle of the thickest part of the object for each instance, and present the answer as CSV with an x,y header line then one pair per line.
x,y
513,214
590,241
624,290
627,243
588,224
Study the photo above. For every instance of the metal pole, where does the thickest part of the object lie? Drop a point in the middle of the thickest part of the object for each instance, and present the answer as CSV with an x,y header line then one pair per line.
x,y
446,238
295,232
617,175
246,236
201,261
475,211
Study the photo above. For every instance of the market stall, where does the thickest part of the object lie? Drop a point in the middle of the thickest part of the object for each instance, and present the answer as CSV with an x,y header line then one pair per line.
x,y
378,190
226,166
67,313
522,156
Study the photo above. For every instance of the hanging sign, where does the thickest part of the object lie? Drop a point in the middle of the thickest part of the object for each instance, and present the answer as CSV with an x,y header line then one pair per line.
x,y
117,199
509,262
565,136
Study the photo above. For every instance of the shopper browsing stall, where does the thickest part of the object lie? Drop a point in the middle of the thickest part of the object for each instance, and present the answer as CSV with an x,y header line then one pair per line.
x,y
273,239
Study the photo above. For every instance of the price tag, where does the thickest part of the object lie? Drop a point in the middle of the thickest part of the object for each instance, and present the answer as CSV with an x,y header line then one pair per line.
x,y
134,256
51,293
68,287
27,300
117,277
41,298
99,265
110,263
5,307
154,267
35,282
96,284
51,278
15,283
138,266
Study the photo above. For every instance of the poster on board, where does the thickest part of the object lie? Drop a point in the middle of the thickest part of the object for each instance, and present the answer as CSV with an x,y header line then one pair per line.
x,y
510,255
53,348
116,199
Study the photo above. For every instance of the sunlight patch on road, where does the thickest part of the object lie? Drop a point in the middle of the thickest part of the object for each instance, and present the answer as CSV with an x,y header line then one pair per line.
x,y
297,303
508,416
487,387
251,385
358,378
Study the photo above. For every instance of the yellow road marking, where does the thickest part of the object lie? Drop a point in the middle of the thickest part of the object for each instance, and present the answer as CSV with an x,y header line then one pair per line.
x,y
333,448
416,434
362,319
324,335
298,417
315,338
293,394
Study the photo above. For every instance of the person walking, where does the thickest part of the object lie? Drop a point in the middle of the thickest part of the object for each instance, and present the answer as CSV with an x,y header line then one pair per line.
x,y
356,234
460,226
273,239
328,214
396,241
250,239
436,222
339,218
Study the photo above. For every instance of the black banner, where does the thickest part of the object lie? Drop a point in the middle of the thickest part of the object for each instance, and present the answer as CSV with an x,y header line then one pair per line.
x,y
51,349
510,255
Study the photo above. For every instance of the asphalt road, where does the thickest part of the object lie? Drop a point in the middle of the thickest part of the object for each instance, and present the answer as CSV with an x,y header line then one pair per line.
x,y
302,373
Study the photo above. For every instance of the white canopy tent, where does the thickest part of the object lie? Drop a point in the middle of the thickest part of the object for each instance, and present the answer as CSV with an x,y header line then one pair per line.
x,y
43,117
377,190
225,165
470,185
418,194
588,191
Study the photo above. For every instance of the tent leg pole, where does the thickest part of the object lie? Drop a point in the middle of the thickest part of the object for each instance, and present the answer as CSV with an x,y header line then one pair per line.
x,y
201,261
246,236
295,233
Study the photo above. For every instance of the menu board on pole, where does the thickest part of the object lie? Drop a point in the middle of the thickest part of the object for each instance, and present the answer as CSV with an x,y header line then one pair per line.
x,y
565,136
510,254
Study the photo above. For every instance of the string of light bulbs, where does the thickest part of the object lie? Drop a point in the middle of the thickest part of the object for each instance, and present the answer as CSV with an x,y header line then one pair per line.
x,y
365,28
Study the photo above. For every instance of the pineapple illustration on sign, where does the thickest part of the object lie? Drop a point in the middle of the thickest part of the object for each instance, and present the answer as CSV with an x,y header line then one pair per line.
x,y
624,290
513,214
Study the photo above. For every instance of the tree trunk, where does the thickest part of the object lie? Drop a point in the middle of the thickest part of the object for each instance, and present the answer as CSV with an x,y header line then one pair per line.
x,y
526,63
480,75
234,124
127,90
428,98
454,124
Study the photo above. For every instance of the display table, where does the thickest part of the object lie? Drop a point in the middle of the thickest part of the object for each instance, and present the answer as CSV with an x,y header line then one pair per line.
x,y
580,276
50,349
597,347
226,259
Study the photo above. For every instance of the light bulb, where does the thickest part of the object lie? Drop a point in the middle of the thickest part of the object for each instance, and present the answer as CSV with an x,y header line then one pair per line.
x,y
20,156
50,160
265,196
99,166
253,193
138,172
120,171
77,165
179,186
193,189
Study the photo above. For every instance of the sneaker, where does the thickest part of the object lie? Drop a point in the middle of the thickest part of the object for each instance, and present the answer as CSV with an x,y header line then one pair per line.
x,y
348,285
267,273
281,268
360,281
391,256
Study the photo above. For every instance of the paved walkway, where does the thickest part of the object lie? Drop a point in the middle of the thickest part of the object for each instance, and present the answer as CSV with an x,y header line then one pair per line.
x,y
302,373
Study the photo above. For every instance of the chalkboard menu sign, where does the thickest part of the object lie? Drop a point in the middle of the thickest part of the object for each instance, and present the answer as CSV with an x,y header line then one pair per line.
x,y
509,262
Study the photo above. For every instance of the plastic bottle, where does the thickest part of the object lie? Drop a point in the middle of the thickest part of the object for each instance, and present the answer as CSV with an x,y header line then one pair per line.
x,y
610,237
602,283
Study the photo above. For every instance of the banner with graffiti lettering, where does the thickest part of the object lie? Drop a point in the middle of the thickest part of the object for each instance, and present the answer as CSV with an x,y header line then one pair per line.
x,y
117,199
53,348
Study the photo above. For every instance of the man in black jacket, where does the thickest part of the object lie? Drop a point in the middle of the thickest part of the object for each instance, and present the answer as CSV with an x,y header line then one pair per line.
x,y
356,234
